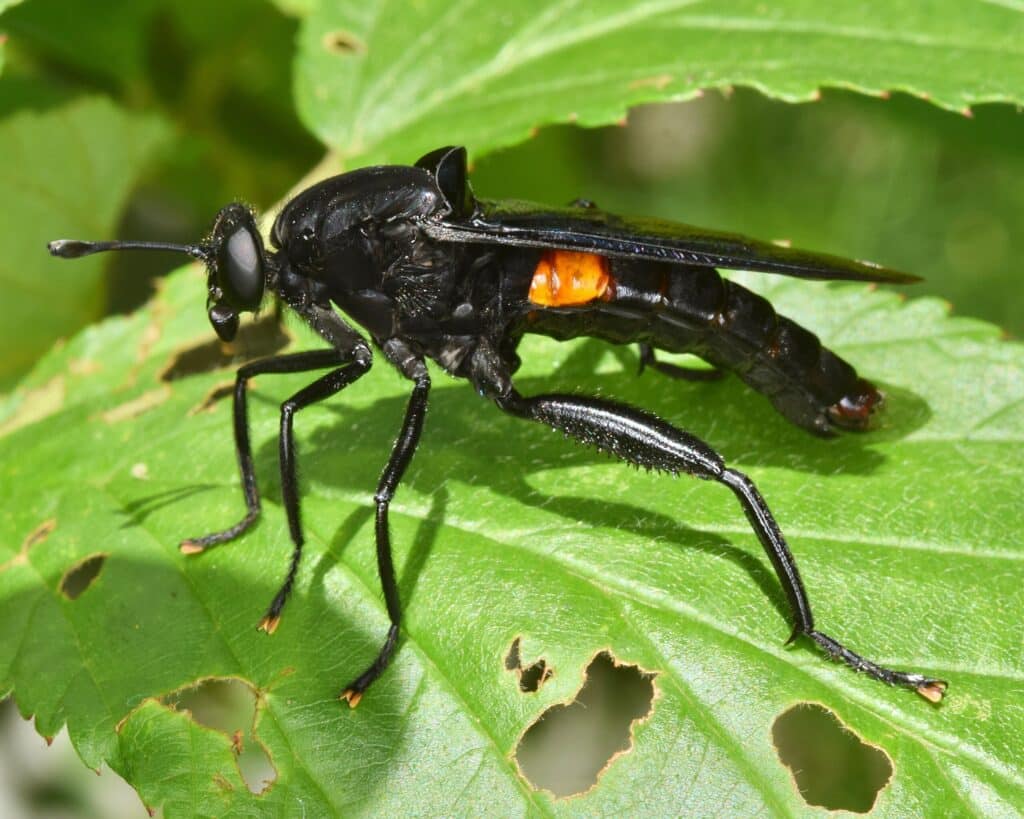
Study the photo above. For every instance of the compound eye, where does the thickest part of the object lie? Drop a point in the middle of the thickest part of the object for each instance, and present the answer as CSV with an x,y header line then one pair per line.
x,y
240,269
224,321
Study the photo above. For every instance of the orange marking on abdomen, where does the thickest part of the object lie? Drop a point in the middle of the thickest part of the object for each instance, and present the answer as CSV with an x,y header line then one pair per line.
x,y
564,278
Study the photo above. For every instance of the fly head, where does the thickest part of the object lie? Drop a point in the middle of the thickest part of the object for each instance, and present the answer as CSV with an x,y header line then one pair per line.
x,y
237,269
236,263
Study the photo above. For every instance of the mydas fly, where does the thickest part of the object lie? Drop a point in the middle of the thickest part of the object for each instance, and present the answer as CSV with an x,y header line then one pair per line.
x,y
430,271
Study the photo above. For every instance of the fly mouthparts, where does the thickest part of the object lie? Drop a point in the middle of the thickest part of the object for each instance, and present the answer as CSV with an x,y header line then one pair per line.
x,y
75,248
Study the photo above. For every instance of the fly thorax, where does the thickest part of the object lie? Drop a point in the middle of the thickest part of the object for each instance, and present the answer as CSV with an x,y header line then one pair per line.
x,y
298,289
420,276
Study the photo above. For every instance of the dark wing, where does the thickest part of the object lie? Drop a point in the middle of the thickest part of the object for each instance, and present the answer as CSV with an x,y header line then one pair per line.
x,y
524,224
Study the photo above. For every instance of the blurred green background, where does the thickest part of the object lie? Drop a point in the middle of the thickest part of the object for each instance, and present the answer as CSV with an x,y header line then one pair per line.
x,y
893,180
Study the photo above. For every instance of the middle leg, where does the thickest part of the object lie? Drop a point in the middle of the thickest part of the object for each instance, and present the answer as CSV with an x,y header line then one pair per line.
x,y
649,359
320,389
404,448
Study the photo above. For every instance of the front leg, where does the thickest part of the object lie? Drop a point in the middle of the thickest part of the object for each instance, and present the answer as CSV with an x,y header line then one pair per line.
x,y
349,350
293,363
644,439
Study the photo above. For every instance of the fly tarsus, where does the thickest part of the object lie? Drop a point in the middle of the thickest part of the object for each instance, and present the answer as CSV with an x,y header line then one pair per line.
x,y
353,693
930,688
195,545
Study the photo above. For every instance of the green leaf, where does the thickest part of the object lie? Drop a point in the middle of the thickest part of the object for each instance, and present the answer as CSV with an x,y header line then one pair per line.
x,y
909,539
4,4
64,173
296,8
221,71
107,38
388,79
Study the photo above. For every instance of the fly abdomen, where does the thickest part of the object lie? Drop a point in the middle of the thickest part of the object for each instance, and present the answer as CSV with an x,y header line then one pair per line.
x,y
805,381
686,309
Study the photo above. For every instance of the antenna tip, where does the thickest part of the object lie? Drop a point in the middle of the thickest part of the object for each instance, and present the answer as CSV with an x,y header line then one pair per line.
x,y
69,248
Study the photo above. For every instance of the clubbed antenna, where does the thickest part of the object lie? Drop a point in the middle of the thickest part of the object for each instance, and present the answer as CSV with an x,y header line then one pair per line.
x,y
74,248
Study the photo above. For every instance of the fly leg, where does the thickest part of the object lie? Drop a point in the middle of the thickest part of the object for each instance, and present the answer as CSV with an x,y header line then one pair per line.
x,y
648,359
320,389
401,454
349,350
294,363
645,440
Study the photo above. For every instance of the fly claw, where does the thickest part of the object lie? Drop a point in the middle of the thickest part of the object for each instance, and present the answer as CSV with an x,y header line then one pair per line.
x,y
351,697
933,690
269,623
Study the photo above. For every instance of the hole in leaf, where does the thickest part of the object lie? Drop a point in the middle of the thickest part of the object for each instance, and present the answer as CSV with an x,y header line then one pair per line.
x,y
513,662
568,748
80,576
229,706
344,43
533,676
833,767
263,337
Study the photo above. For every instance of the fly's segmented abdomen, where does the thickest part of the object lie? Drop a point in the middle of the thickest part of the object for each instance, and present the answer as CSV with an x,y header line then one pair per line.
x,y
678,308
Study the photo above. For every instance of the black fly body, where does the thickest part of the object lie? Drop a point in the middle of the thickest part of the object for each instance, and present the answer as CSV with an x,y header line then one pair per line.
x,y
429,271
